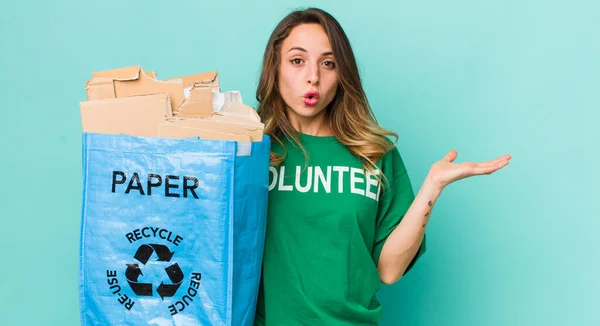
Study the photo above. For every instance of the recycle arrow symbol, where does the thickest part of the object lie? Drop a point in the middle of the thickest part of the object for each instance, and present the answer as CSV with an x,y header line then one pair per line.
x,y
143,254
145,251
176,276
132,273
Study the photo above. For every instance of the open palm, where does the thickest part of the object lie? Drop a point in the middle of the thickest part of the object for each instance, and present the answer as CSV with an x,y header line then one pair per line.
x,y
444,171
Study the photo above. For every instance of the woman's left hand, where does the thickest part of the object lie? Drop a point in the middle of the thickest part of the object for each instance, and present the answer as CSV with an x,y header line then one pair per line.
x,y
444,171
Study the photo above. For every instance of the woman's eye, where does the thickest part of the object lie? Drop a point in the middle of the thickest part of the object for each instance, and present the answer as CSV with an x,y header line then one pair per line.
x,y
329,64
296,61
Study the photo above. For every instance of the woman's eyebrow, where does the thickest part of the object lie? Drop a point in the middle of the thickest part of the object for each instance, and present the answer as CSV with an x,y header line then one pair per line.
x,y
297,48
304,50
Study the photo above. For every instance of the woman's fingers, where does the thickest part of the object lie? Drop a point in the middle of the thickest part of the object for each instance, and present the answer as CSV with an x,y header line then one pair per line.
x,y
488,168
500,161
451,156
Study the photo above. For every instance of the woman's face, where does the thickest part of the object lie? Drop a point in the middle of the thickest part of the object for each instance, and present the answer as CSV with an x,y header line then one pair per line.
x,y
307,72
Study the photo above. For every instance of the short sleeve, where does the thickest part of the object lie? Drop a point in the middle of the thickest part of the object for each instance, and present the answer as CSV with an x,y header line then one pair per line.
x,y
395,199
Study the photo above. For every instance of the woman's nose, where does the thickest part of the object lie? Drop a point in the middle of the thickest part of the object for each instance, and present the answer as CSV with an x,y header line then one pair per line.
x,y
313,74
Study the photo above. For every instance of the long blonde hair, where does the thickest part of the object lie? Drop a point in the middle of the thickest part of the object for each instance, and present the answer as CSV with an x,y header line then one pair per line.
x,y
349,114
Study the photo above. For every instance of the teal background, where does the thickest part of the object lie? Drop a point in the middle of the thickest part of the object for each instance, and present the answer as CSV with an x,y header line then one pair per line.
x,y
483,77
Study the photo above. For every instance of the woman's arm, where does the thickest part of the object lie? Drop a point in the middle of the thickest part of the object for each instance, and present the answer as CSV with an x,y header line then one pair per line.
x,y
403,243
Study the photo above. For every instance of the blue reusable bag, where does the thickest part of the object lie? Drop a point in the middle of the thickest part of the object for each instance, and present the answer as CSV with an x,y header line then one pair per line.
x,y
172,230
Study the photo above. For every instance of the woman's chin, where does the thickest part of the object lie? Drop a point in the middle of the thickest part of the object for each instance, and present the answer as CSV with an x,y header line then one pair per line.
x,y
306,111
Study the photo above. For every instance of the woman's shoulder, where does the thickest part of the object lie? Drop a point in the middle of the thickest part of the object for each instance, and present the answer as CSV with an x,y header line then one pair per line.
x,y
392,162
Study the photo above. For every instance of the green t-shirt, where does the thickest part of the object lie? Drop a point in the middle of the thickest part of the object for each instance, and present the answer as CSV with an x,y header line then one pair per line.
x,y
328,219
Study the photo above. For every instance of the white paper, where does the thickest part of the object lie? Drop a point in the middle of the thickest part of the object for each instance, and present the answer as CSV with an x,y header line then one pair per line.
x,y
222,100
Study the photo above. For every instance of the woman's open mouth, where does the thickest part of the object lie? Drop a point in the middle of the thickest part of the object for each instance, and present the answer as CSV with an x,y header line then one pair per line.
x,y
311,98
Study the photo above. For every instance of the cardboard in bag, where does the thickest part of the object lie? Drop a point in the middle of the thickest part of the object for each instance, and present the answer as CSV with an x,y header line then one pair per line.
x,y
138,116
171,130
132,81
172,231
132,101
255,134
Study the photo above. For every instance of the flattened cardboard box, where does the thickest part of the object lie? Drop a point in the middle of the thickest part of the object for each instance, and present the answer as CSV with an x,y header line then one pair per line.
x,y
136,116
190,96
131,101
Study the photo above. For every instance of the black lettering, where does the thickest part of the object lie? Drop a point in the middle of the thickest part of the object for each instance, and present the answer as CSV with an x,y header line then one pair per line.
x,y
149,231
191,188
169,186
153,184
116,182
130,237
172,310
138,185
196,276
184,300
122,298
137,234
112,281
177,240
160,234
118,287
190,289
194,284
111,273
182,305
129,304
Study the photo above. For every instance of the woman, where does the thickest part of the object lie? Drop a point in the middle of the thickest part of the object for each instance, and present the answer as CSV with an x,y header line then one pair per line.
x,y
342,213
